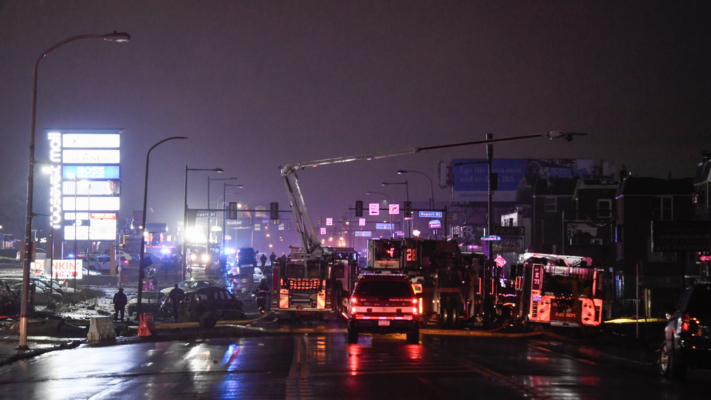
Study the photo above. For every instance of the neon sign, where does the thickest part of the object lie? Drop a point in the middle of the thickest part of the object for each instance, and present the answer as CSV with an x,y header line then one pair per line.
x,y
55,179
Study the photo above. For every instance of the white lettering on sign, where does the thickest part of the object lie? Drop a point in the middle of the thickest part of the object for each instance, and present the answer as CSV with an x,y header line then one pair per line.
x,y
91,156
61,269
97,203
329,221
361,221
374,209
55,179
91,140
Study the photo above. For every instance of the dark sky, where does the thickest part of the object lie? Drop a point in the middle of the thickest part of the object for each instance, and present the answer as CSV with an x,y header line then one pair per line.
x,y
259,84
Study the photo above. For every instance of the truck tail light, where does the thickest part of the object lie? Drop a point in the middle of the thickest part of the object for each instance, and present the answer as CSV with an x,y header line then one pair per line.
x,y
353,310
414,301
685,320
354,300
420,306
414,310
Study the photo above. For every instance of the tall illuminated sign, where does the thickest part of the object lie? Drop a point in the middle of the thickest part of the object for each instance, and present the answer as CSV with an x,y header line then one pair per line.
x,y
55,179
85,183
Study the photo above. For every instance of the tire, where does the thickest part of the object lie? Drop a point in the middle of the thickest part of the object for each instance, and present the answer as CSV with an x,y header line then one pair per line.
x,y
454,315
670,367
413,337
352,336
207,321
444,313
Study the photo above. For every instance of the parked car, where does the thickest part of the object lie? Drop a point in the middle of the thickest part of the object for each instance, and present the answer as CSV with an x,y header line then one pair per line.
x,y
191,285
41,296
10,303
150,303
207,306
687,336
40,254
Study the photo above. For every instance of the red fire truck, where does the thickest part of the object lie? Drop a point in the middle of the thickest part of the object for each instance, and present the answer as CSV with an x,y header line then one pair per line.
x,y
558,290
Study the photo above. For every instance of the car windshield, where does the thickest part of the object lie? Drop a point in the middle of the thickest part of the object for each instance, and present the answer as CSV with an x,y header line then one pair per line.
x,y
700,303
384,289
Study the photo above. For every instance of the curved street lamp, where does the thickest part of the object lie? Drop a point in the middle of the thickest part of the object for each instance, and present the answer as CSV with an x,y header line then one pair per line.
x,y
143,223
111,37
185,211
402,171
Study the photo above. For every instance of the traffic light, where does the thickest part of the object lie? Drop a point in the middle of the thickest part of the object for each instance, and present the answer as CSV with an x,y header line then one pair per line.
x,y
273,210
408,210
320,221
359,208
233,210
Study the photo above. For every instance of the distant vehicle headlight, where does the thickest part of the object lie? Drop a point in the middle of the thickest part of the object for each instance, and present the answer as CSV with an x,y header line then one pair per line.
x,y
193,257
205,258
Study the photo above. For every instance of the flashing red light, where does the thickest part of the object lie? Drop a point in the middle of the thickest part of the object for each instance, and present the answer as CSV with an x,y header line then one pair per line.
x,y
685,323
414,310
353,310
705,258
414,301
354,300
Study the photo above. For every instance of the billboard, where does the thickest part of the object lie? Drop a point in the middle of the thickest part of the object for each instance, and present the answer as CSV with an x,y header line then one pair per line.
x,y
681,236
61,269
515,177
91,140
97,203
93,188
91,156
91,172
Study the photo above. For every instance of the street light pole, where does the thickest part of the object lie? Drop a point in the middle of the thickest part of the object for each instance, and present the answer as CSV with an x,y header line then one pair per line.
x,y
208,205
76,235
143,223
113,37
185,212
400,172
224,216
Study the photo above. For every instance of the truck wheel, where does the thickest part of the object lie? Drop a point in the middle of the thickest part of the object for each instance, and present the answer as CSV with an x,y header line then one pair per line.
x,y
454,315
669,367
413,337
444,315
352,336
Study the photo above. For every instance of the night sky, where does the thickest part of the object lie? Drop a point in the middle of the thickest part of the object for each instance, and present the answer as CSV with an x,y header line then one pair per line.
x,y
259,84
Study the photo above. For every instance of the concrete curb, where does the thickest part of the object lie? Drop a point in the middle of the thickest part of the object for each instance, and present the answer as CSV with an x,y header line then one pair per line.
x,y
34,353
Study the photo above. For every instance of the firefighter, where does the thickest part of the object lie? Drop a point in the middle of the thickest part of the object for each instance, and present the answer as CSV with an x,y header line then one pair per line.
x,y
262,291
263,259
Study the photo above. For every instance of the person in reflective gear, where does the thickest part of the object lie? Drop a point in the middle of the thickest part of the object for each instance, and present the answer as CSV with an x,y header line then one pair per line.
x,y
262,292
120,302
175,296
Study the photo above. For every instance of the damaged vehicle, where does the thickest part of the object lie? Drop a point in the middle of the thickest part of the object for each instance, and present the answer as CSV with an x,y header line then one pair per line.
x,y
206,305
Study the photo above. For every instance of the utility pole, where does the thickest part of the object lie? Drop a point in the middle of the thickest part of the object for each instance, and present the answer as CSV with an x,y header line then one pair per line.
x,y
489,158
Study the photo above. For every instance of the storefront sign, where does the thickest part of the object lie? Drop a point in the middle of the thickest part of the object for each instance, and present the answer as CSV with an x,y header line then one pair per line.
x,y
91,156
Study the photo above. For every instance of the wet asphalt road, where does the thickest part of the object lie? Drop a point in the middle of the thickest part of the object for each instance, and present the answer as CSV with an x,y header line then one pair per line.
x,y
324,366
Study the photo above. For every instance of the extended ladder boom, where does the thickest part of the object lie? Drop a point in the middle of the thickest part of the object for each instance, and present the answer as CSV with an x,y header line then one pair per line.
x,y
304,225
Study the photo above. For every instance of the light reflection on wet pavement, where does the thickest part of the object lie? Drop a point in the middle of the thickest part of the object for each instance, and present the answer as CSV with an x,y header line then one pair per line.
x,y
324,366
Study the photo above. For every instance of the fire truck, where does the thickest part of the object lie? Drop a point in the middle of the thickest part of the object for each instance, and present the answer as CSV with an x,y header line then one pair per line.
x,y
557,290
306,283
447,281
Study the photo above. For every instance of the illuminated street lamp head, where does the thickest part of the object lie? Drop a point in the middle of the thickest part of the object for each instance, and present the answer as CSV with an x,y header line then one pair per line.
x,y
384,184
218,170
118,37
402,171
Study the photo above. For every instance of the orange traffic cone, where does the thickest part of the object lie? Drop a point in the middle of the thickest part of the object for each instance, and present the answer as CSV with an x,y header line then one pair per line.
x,y
146,327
